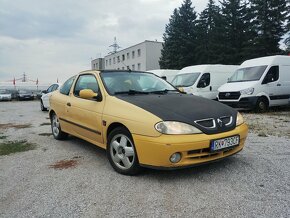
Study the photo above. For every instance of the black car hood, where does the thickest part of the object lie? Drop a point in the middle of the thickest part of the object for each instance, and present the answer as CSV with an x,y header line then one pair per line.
x,y
209,116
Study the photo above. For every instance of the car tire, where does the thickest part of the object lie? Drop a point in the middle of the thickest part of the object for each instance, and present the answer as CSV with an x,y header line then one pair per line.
x,y
56,129
262,105
42,106
121,152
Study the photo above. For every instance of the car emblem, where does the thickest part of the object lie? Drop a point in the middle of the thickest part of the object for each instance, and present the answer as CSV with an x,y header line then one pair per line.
x,y
220,122
228,94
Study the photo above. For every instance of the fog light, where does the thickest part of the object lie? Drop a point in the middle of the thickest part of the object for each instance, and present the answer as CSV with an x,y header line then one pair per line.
x,y
175,158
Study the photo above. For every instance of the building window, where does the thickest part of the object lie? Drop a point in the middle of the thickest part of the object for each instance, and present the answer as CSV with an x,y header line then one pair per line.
x,y
110,61
114,60
133,66
128,67
122,68
118,68
128,55
106,63
133,54
139,66
123,57
118,59
139,52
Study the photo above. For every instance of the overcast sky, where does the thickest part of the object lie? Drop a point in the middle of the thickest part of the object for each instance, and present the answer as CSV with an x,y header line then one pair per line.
x,y
57,38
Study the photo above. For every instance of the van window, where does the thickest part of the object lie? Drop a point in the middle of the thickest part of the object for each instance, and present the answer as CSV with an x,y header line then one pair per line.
x,y
248,74
185,80
66,86
272,75
204,81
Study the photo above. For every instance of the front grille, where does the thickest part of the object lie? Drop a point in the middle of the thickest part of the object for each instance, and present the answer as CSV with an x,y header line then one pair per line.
x,y
229,95
206,123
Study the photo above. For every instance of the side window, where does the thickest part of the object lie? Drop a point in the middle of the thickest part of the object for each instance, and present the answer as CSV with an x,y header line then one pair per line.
x,y
50,89
204,81
66,86
86,82
272,75
55,87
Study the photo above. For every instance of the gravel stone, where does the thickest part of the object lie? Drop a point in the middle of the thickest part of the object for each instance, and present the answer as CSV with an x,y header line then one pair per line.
x,y
253,183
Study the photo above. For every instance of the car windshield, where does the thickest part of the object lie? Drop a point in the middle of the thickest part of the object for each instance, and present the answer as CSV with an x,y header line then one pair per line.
x,y
184,80
134,83
248,74
4,92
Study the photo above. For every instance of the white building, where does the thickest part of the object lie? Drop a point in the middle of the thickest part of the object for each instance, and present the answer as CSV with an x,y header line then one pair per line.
x,y
98,64
143,56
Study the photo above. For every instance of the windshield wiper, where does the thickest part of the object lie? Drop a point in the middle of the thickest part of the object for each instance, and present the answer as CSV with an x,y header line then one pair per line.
x,y
131,92
163,91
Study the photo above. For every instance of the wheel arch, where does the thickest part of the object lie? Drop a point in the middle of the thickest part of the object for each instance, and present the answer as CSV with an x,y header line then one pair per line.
x,y
113,126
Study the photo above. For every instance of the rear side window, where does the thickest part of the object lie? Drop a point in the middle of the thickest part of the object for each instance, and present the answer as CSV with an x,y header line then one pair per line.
x,y
272,75
87,81
67,86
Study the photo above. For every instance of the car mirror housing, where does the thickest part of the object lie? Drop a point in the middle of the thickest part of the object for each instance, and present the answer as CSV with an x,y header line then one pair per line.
x,y
88,94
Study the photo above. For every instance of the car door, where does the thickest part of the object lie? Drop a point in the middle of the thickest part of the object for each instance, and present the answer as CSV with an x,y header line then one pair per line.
x,y
45,97
85,115
271,85
204,88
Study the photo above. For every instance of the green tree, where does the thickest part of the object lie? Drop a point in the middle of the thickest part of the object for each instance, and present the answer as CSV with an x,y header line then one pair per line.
x,y
179,38
210,35
270,17
236,27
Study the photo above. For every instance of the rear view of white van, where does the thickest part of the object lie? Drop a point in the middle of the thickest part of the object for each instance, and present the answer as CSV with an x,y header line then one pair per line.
x,y
258,84
203,80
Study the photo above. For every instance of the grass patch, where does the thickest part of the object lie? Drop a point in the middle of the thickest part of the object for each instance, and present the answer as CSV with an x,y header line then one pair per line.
x,y
45,124
11,147
16,126
45,134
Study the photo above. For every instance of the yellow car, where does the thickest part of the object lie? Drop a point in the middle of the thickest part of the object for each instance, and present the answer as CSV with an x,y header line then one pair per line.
x,y
143,121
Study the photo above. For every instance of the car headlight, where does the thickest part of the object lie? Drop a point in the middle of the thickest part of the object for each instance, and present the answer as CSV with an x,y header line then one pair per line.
x,y
248,91
175,128
240,119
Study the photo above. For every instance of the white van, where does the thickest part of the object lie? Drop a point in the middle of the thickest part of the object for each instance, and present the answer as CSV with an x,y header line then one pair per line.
x,y
258,84
168,75
203,80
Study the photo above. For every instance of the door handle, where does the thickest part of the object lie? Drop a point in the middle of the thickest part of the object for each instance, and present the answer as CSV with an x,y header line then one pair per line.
x,y
278,84
210,88
68,104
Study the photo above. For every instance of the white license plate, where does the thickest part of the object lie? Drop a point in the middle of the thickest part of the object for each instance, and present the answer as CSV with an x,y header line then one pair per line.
x,y
224,143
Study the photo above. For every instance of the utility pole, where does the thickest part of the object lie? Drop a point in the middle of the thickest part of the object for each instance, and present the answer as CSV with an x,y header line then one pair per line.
x,y
24,79
115,46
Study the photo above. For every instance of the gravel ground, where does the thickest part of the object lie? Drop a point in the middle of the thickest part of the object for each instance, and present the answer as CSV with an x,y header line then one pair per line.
x,y
253,183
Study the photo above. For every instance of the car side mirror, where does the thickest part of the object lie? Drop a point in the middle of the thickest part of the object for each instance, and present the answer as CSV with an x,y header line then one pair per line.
x,y
44,92
201,84
88,94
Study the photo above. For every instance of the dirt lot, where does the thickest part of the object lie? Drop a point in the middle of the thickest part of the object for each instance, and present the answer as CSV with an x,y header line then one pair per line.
x,y
73,178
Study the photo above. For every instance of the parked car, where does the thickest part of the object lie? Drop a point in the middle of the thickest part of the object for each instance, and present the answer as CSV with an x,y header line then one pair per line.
x,y
25,95
143,121
44,99
203,80
5,95
258,84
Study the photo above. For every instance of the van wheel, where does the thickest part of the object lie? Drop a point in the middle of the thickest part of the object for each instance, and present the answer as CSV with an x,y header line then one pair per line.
x,y
121,152
42,106
55,128
262,105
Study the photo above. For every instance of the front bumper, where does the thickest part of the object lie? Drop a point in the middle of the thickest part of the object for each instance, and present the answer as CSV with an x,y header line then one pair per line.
x,y
247,103
155,151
